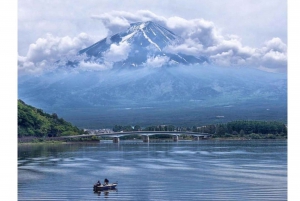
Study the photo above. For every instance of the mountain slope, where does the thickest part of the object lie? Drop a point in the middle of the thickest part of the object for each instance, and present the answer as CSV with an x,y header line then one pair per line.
x,y
144,96
142,44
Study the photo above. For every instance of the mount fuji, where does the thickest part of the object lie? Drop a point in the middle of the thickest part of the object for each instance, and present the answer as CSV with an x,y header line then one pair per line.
x,y
178,89
143,43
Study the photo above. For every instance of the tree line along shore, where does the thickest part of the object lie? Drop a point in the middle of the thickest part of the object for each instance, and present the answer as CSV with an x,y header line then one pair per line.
x,y
35,125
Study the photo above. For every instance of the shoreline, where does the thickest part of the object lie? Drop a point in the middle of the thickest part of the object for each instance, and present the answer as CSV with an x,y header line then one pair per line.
x,y
58,141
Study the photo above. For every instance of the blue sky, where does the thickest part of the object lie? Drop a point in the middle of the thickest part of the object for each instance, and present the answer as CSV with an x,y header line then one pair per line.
x,y
248,32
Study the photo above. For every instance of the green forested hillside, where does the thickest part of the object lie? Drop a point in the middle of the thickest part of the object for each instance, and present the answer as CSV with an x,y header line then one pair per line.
x,y
35,122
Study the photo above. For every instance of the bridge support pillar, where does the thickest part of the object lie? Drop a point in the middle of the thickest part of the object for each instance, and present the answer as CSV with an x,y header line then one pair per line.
x,y
196,138
146,138
175,138
116,140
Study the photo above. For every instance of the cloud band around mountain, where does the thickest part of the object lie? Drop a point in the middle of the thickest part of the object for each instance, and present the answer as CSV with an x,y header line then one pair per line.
x,y
200,38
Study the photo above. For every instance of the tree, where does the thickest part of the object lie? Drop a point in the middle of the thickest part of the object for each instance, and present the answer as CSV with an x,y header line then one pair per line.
x,y
117,128
54,116
194,129
242,132
221,130
137,128
171,128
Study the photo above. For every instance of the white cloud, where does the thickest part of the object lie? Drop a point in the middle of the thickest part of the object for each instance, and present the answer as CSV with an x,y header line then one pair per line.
x,y
198,30
116,21
113,22
223,58
187,47
42,54
52,48
156,62
273,55
26,66
275,44
117,52
92,66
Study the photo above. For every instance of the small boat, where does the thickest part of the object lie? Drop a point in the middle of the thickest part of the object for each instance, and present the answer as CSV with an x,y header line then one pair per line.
x,y
103,187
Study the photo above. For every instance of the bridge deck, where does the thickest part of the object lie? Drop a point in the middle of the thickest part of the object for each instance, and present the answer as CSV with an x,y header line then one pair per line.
x,y
119,134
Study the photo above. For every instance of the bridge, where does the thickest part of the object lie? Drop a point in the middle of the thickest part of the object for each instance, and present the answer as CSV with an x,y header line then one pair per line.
x,y
145,135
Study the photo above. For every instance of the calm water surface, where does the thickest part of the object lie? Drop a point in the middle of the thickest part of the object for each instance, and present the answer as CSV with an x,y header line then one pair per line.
x,y
184,170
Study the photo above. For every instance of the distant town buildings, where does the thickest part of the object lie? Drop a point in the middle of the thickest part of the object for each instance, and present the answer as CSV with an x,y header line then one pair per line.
x,y
99,131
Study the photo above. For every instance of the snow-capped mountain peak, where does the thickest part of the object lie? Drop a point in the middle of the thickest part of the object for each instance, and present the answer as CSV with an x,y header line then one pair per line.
x,y
154,33
141,43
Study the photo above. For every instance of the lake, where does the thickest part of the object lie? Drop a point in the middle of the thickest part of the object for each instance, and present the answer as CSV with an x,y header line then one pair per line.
x,y
183,170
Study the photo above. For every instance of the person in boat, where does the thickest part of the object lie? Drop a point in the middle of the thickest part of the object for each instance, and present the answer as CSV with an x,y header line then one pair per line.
x,y
106,181
97,184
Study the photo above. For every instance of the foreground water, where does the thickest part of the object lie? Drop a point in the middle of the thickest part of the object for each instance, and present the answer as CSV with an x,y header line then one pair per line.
x,y
184,170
